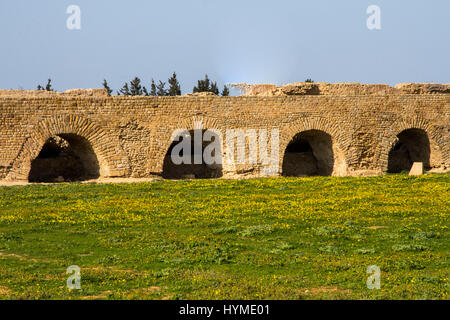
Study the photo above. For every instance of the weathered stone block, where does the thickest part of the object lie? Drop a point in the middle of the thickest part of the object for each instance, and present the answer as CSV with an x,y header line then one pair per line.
x,y
416,169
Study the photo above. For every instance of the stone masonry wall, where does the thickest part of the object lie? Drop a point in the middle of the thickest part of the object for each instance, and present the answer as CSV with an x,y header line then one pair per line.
x,y
131,135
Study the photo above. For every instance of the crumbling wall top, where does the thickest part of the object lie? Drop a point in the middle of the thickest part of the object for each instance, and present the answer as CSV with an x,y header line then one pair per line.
x,y
48,94
339,89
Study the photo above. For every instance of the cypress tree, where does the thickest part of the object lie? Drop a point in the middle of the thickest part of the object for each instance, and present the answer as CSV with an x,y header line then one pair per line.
x,y
206,84
202,85
125,90
107,88
174,86
214,89
135,87
225,91
161,91
153,89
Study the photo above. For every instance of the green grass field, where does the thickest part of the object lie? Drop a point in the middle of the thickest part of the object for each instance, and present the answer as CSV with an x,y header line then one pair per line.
x,y
282,238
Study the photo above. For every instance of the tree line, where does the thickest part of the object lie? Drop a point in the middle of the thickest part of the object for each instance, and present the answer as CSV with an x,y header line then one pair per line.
x,y
135,87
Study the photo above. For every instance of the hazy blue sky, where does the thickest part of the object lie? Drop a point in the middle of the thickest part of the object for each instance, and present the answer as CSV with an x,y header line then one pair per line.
x,y
255,41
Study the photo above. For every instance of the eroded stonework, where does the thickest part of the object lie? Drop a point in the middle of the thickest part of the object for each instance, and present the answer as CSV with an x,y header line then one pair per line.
x,y
326,134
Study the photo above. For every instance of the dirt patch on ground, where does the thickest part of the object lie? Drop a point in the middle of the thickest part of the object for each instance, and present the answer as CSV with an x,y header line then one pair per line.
x,y
25,257
13,255
102,295
148,290
318,290
114,270
99,181
85,254
13,183
131,292
4,291
109,269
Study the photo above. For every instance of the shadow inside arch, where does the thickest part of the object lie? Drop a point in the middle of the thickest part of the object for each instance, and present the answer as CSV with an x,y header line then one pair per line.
x,y
65,157
193,169
413,145
309,153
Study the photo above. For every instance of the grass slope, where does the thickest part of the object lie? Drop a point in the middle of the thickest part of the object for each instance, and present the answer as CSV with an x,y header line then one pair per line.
x,y
283,238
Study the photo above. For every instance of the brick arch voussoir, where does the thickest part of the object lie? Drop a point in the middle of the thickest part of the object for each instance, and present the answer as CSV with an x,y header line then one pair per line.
x,y
340,136
106,147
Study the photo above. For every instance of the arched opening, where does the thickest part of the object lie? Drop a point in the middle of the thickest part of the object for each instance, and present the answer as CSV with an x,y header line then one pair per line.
x,y
194,165
65,157
310,153
413,145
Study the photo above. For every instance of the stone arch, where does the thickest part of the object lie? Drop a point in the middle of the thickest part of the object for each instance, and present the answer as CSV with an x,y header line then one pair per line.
x,y
436,140
113,161
412,146
323,129
65,157
197,167
163,138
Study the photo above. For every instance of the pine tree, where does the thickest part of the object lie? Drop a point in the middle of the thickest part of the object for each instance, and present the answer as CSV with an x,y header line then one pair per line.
x,y
202,85
225,91
107,88
196,88
174,86
214,89
39,87
125,90
144,90
206,84
309,80
153,89
135,87
161,91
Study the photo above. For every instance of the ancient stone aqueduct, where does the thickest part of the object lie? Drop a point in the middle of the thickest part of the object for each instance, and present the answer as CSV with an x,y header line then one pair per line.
x,y
363,132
